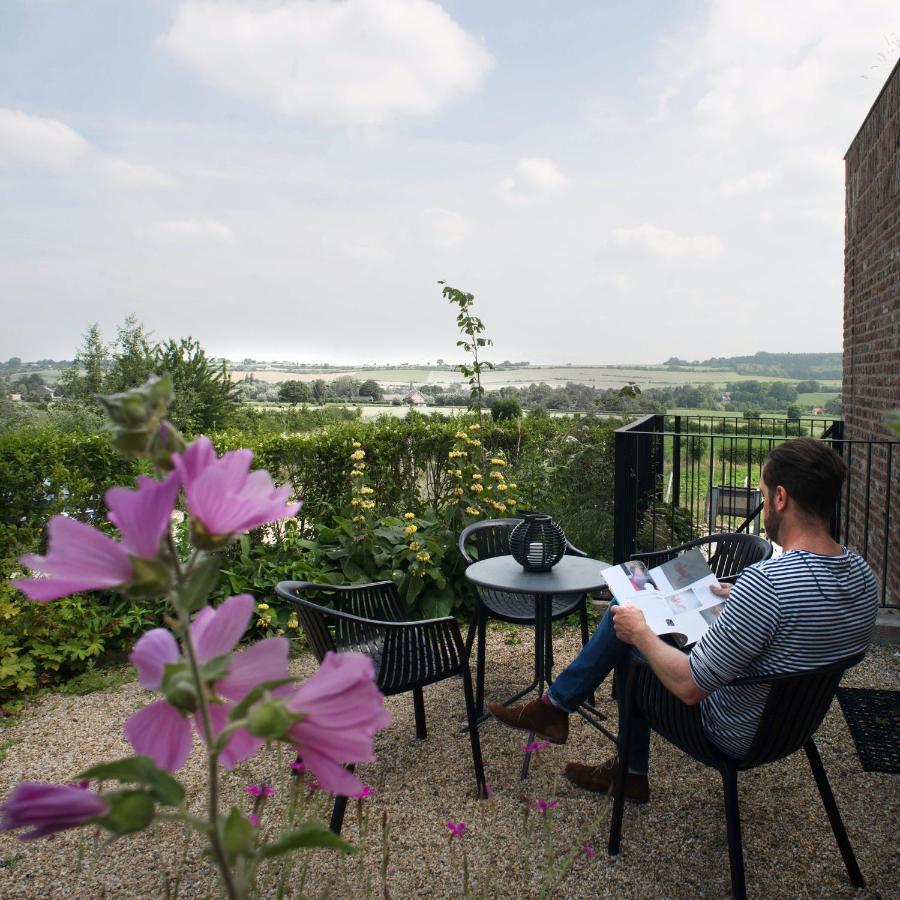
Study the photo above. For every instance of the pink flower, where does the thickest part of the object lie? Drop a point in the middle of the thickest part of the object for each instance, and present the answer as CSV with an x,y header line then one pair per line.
x,y
253,819
260,790
343,709
457,829
81,558
48,808
163,732
535,746
365,793
224,497
488,790
544,806
588,851
298,767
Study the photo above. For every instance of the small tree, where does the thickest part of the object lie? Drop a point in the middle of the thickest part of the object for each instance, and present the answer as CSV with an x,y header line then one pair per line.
x,y
294,392
505,408
371,388
84,378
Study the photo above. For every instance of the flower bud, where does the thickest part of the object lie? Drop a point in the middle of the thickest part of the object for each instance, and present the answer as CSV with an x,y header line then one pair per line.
x,y
179,689
270,719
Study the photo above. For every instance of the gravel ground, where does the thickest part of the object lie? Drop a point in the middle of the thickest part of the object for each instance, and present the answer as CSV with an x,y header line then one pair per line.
x,y
673,847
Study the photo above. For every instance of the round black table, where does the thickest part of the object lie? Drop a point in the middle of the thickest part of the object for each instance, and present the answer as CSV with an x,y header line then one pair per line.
x,y
571,575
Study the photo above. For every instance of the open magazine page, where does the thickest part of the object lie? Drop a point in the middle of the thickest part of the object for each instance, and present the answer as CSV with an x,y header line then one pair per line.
x,y
674,597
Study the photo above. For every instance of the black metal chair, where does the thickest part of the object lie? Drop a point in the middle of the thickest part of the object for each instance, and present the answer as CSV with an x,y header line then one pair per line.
x,y
733,552
795,707
491,538
408,655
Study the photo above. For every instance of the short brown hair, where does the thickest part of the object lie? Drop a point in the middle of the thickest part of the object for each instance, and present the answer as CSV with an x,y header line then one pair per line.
x,y
810,471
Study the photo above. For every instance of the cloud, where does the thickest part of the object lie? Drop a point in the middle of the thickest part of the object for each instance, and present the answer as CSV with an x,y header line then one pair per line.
x,y
442,228
189,231
120,173
533,179
358,62
751,183
666,244
35,141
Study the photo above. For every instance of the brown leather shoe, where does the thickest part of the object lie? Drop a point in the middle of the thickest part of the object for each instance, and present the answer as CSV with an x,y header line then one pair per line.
x,y
544,719
600,780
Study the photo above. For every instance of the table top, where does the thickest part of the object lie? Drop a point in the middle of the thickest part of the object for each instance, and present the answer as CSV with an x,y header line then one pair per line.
x,y
571,575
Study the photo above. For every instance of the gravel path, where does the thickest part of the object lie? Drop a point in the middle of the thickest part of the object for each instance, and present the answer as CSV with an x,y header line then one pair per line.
x,y
673,847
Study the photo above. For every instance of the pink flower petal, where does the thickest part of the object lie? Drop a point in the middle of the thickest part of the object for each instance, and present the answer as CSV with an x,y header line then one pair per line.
x,y
241,745
195,458
79,558
151,654
48,808
263,661
332,776
161,732
143,515
216,632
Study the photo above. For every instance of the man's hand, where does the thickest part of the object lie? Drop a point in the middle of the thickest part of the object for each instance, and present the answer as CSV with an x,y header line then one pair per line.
x,y
629,622
722,590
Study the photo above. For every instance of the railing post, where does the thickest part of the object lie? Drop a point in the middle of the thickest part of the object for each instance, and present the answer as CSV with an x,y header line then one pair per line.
x,y
624,495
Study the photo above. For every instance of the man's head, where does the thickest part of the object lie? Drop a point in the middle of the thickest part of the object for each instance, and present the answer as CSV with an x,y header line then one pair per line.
x,y
801,477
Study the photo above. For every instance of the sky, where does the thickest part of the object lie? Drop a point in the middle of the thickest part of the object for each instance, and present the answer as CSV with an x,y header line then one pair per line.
x,y
615,182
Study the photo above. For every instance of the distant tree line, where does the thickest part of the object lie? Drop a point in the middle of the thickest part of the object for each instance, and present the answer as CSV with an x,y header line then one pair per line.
x,y
782,365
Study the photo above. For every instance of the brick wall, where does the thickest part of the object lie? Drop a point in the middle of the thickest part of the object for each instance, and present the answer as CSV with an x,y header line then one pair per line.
x,y
872,336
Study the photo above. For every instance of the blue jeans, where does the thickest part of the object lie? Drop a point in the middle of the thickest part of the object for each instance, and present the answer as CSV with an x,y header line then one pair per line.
x,y
599,656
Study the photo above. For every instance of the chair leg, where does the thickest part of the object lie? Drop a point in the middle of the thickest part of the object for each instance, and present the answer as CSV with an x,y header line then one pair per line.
x,y
338,810
474,737
624,747
419,710
585,637
834,815
480,661
733,825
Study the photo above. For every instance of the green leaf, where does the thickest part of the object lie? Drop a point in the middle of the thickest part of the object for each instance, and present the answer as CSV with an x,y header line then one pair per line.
x,y
308,835
216,668
237,835
240,710
200,583
129,811
138,770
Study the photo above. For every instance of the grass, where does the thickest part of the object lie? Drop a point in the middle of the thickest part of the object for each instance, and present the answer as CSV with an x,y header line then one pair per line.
x,y
5,747
93,680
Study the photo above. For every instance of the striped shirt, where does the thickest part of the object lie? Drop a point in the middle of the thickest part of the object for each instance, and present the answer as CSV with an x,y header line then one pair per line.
x,y
791,613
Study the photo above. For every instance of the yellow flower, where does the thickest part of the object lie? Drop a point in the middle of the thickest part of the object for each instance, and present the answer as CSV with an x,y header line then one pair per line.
x,y
461,434
474,443
476,477
458,492
413,570
355,501
424,556
409,515
497,475
473,510
366,490
500,507
476,488
356,445
414,545
457,473
356,473
501,487
359,518
511,502
279,631
293,623
513,485
496,461
263,606
410,530
358,454
474,427
367,504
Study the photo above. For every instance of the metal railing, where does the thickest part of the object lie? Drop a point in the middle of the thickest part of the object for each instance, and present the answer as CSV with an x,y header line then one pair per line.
x,y
678,477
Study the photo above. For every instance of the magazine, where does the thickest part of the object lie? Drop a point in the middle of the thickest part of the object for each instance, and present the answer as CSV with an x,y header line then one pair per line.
x,y
675,597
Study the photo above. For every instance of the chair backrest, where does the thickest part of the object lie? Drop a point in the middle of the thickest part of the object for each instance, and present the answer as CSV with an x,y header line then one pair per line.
x,y
379,601
794,709
734,551
491,538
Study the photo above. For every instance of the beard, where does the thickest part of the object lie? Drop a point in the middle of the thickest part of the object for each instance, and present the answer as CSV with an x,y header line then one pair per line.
x,y
772,523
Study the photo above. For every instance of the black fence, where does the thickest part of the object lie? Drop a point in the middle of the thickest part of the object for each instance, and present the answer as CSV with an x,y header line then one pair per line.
x,y
678,477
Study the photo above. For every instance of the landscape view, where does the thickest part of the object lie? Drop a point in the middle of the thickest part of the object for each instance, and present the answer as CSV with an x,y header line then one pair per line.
x,y
364,364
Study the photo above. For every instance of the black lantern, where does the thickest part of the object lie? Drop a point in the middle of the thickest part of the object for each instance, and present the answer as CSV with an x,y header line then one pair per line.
x,y
537,543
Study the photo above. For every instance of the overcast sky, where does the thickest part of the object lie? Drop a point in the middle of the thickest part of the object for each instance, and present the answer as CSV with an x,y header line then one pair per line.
x,y
288,179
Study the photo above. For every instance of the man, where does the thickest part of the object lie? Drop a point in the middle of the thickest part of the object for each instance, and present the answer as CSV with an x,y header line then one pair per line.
x,y
812,605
